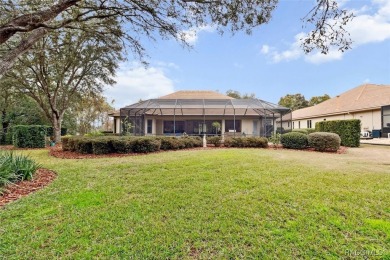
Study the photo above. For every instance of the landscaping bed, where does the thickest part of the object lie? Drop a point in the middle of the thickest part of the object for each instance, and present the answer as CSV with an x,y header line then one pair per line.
x,y
18,190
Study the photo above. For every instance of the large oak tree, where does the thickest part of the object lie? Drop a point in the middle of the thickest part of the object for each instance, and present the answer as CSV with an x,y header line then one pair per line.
x,y
23,23
64,67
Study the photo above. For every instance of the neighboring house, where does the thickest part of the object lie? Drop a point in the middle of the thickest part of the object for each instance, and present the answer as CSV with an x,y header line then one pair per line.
x,y
370,103
194,112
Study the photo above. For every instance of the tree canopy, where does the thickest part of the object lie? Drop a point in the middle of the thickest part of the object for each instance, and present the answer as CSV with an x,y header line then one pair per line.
x,y
65,68
318,99
298,101
294,101
237,94
23,23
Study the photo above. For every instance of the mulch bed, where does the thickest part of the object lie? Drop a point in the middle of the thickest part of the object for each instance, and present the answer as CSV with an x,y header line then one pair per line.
x,y
341,150
18,190
59,153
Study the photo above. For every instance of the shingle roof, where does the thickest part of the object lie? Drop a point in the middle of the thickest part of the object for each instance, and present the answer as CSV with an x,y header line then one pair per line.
x,y
364,97
195,94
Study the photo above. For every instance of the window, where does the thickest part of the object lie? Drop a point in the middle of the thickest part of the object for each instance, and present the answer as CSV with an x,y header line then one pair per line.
x,y
308,123
299,124
171,127
386,117
288,124
229,125
149,126
293,125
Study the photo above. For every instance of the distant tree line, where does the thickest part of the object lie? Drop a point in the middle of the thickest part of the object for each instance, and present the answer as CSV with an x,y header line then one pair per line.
x,y
292,101
298,101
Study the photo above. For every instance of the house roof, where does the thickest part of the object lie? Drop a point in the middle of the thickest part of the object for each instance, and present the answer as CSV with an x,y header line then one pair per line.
x,y
202,103
195,94
361,98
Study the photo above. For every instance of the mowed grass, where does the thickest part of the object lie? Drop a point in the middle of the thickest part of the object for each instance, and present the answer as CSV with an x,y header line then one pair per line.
x,y
202,204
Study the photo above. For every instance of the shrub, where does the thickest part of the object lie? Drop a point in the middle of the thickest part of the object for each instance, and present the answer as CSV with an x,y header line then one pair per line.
x,y
65,143
348,130
323,141
294,140
126,144
9,135
14,168
192,141
305,130
72,144
122,145
215,140
83,145
102,146
145,145
29,136
275,139
94,133
171,143
260,142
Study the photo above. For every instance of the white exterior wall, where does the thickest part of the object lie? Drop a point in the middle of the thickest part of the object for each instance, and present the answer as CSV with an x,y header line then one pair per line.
x,y
369,119
117,122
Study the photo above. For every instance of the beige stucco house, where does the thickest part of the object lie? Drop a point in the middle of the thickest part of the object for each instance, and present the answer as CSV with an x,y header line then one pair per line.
x,y
194,112
370,103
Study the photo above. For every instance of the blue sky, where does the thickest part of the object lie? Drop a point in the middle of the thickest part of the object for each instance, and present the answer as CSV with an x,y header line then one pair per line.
x,y
269,63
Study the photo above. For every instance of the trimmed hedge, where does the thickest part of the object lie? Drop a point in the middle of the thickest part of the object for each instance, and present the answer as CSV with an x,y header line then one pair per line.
x,y
175,143
192,141
171,143
259,142
126,144
145,145
294,140
305,130
29,136
324,141
215,140
348,130
122,145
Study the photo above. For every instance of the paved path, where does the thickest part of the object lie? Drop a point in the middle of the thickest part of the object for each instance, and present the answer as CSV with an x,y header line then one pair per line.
x,y
376,141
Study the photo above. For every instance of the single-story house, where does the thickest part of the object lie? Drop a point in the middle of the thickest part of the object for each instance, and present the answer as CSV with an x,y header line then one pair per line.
x,y
369,102
196,113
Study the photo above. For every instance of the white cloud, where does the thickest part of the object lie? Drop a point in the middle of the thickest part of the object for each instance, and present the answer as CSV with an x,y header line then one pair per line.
x,y
364,29
367,80
265,49
318,57
135,82
191,35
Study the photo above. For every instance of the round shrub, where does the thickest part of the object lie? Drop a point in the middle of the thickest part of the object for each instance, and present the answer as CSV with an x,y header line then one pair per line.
x,y
215,140
83,145
294,140
102,146
122,145
192,141
259,142
171,143
323,141
302,130
145,145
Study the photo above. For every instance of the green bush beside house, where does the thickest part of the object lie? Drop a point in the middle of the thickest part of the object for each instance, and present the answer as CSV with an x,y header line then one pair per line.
x,y
348,130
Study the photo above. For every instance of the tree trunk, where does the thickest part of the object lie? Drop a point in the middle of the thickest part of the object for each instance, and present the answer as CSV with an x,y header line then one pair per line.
x,y
57,122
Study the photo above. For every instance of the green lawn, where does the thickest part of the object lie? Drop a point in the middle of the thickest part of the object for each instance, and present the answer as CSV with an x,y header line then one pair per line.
x,y
224,203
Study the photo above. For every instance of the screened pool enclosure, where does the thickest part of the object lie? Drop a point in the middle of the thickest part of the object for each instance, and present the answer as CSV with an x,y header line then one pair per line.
x,y
248,117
